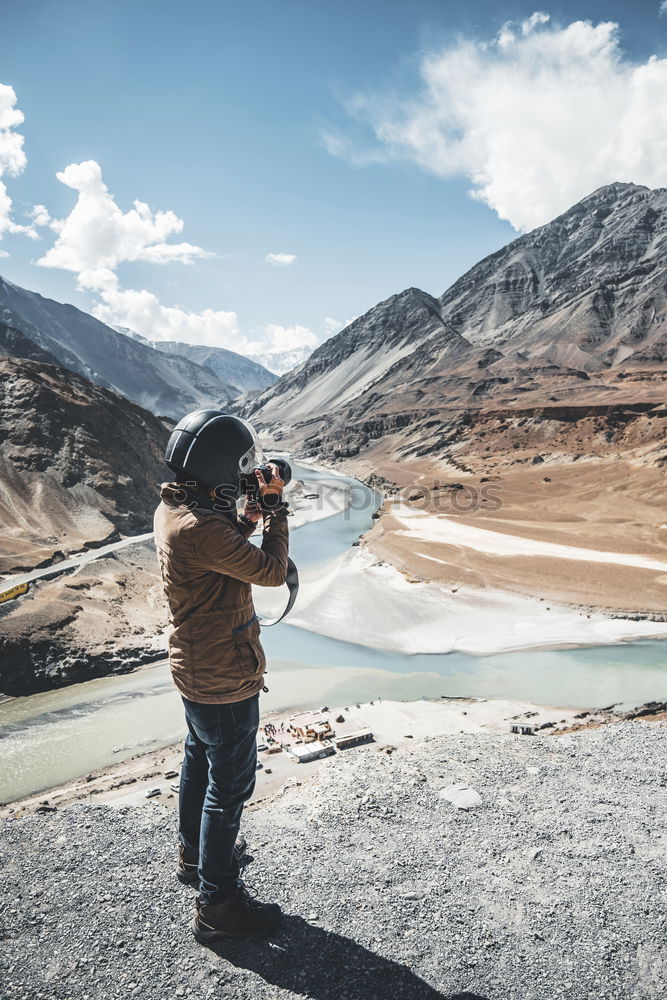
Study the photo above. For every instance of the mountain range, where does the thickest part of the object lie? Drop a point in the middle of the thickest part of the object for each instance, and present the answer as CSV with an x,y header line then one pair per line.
x,y
539,375
572,314
169,383
79,405
242,374
541,371
79,464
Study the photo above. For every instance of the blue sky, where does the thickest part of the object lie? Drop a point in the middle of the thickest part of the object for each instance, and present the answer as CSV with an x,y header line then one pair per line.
x,y
301,128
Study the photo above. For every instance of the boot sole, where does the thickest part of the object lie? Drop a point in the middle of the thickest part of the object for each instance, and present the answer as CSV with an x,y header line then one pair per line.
x,y
210,937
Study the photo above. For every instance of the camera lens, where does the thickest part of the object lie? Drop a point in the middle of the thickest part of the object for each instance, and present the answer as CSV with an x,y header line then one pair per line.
x,y
284,469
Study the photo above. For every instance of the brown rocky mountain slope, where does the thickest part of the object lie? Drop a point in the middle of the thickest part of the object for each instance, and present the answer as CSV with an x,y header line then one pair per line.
x,y
566,324
14,344
542,371
79,464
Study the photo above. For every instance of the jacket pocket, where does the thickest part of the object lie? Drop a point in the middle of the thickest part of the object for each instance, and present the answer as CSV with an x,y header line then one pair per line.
x,y
249,652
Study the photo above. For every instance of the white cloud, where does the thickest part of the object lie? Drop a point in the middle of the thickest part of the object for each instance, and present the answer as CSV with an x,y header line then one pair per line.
x,y
663,7
291,338
98,234
280,259
282,347
536,118
40,217
6,224
539,17
346,148
12,159
12,156
334,326
142,312
3,253
278,347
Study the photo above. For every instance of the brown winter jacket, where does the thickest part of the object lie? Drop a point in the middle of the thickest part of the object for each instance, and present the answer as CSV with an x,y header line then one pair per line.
x,y
207,567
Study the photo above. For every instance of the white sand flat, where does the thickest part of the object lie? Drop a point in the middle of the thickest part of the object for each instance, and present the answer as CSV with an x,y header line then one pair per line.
x,y
447,530
359,600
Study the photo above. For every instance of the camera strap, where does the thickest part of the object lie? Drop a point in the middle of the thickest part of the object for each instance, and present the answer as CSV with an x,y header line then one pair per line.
x,y
292,581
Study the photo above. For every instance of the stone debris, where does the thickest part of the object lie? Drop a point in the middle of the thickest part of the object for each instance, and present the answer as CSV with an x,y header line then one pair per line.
x,y
551,889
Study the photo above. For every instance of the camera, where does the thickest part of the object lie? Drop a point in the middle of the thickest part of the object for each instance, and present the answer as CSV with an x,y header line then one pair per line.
x,y
250,486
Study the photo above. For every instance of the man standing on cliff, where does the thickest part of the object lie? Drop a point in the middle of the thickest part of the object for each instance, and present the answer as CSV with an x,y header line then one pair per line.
x,y
216,657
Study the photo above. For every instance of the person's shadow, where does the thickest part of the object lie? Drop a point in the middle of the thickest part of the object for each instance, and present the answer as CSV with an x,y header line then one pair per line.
x,y
308,960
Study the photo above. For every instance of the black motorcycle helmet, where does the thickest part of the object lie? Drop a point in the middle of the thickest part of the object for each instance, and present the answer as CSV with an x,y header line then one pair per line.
x,y
214,449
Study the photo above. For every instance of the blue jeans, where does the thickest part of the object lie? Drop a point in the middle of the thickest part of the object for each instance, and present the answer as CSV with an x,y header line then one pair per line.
x,y
217,778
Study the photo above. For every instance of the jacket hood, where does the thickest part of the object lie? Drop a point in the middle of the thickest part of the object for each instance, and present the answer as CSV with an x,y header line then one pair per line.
x,y
173,494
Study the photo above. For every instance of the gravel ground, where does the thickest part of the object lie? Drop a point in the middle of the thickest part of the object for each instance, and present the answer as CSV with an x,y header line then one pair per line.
x,y
551,884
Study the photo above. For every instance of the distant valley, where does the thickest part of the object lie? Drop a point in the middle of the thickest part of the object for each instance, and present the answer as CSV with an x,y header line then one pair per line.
x,y
85,414
542,370
540,374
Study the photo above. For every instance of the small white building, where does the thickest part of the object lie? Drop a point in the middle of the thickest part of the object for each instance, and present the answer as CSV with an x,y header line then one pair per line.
x,y
312,751
353,739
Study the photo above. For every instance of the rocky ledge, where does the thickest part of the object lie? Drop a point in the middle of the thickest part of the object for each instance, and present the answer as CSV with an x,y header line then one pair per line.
x,y
57,634
474,867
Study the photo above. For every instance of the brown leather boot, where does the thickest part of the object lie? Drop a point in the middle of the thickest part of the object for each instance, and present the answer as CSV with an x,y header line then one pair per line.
x,y
241,916
188,862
